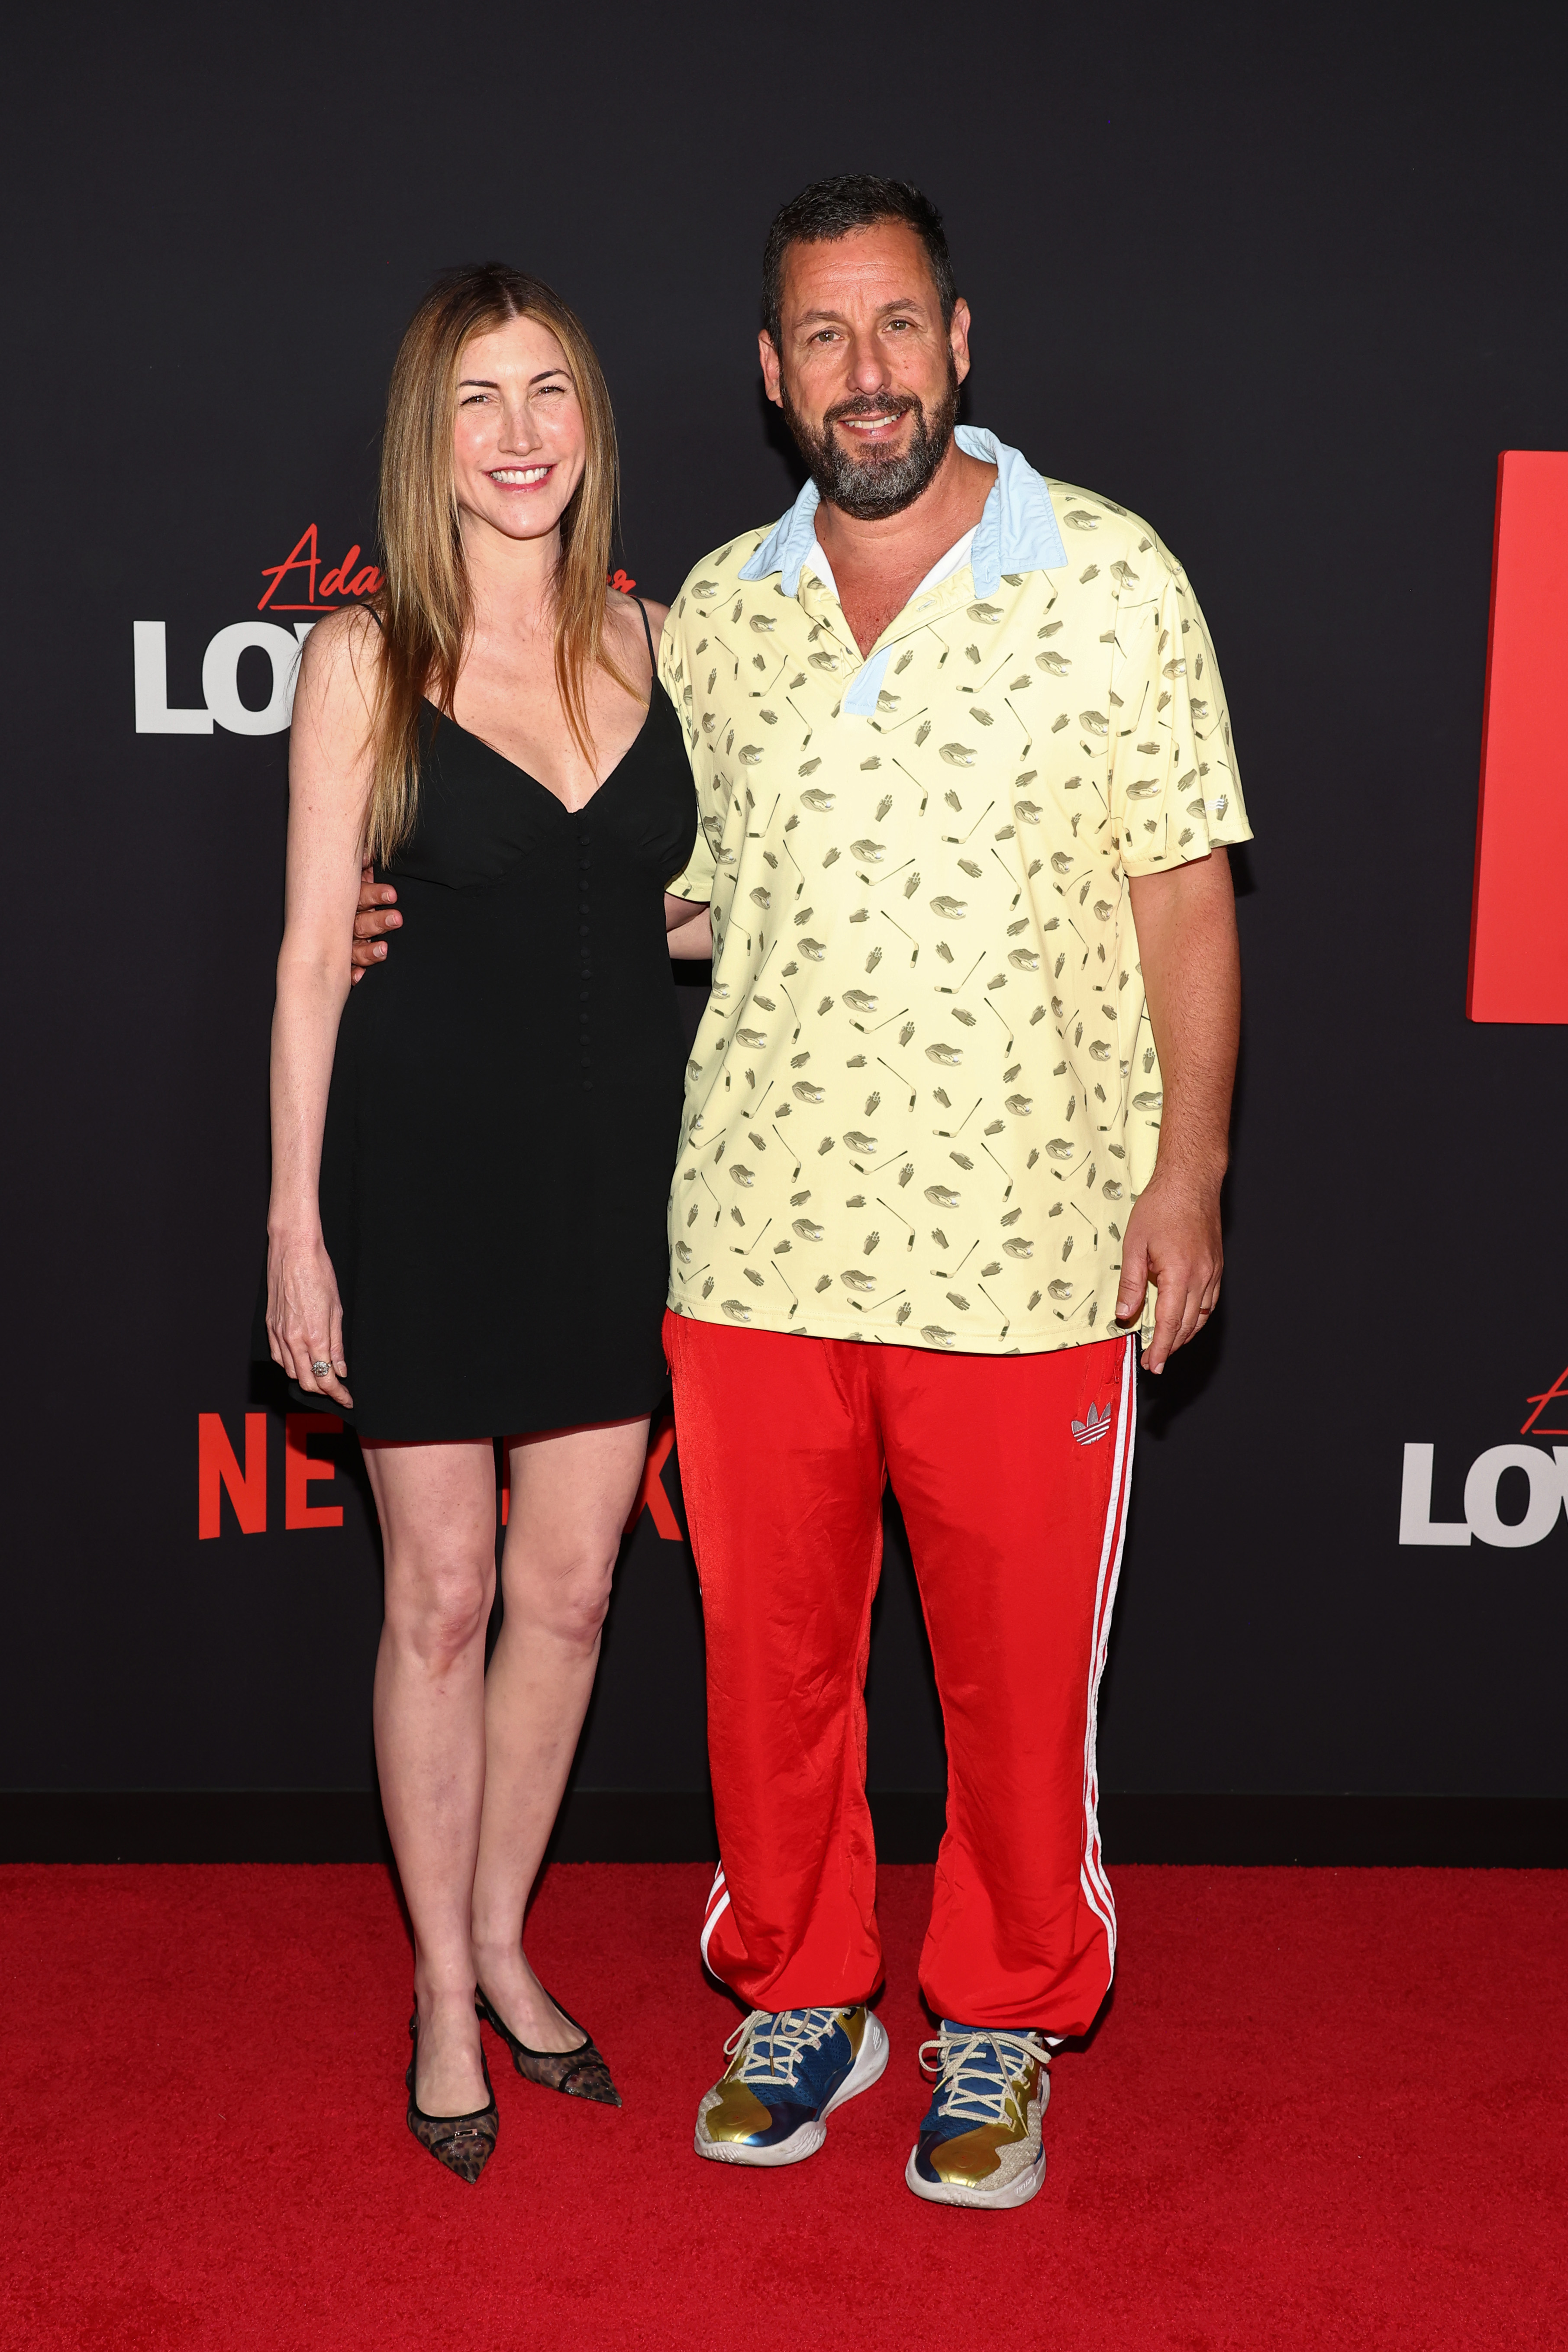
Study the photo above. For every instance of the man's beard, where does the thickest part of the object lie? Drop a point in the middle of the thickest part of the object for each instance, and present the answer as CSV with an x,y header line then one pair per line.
x,y
871,483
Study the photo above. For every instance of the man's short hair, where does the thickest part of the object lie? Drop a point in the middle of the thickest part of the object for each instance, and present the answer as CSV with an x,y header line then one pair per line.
x,y
830,209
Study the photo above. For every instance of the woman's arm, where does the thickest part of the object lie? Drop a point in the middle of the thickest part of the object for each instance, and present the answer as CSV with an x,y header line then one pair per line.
x,y
329,774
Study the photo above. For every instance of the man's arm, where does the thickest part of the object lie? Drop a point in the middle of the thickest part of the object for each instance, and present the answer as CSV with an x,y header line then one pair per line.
x,y
690,931
685,920
1185,921
375,915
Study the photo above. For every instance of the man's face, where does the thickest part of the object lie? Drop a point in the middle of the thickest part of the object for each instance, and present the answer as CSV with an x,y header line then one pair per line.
x,y
866,373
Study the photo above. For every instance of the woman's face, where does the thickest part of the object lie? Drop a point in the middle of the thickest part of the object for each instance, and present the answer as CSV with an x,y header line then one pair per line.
x,y
519,442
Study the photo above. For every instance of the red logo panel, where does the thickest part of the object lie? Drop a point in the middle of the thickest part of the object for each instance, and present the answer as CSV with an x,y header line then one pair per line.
x,y
1519,924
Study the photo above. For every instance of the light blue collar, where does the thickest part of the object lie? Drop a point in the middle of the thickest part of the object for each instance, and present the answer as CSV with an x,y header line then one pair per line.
x,y
1016,532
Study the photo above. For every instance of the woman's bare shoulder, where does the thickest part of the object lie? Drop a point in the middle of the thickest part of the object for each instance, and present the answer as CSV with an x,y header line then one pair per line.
x,y
626,609
341,655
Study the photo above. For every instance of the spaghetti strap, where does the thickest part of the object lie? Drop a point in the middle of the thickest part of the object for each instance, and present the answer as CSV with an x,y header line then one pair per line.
x,y
653,657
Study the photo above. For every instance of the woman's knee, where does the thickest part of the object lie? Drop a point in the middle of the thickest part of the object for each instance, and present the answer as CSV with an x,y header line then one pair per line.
x,y
568,1598
439,1608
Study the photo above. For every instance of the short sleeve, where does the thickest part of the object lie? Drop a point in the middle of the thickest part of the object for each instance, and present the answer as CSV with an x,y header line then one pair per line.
x,y
695,880
1176,793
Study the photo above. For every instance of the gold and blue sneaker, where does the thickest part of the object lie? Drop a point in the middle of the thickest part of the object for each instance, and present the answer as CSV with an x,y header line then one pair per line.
x,y
980,2142
788,2070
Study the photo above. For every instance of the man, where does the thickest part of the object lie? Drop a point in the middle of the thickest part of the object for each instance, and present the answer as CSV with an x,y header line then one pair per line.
x,y
958,1109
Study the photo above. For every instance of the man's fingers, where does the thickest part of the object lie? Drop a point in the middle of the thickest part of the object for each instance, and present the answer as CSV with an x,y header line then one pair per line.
x,y
1183,1305
1192,1316
371,922
367,951
1176,1300
1170,1298
1133,1284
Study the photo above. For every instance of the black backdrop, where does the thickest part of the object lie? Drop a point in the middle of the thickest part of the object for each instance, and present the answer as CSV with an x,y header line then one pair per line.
x,y
1286,284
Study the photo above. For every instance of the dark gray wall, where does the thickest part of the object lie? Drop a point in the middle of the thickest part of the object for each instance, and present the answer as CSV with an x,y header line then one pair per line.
x,y
1286,284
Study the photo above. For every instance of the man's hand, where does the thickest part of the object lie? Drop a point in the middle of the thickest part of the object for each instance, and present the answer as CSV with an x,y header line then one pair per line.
x,y
1174,1242
378,901
1186,922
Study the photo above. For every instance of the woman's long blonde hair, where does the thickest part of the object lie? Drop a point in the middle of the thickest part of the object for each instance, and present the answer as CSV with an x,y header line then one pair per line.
x,y
426,603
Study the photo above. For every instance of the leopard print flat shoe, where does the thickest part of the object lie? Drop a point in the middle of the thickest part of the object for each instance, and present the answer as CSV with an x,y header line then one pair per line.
x,y
464,2144
581,2074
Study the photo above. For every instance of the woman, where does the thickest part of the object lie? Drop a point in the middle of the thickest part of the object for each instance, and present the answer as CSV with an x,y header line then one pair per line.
x,y
470,1159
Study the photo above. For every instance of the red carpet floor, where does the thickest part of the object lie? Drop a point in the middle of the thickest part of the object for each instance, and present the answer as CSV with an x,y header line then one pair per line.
x,y
1327,2108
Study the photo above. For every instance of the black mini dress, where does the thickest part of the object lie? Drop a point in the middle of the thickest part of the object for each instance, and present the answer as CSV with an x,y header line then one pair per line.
x,y
505,1101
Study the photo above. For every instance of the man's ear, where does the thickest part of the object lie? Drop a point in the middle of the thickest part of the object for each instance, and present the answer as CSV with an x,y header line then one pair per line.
x,y
770,360
958,338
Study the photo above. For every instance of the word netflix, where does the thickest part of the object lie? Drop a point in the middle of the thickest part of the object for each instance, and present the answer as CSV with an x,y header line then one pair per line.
x,y
242,1477
220,1471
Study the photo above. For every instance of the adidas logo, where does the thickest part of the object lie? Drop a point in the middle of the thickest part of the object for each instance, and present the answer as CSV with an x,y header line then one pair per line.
x,y
1089,1432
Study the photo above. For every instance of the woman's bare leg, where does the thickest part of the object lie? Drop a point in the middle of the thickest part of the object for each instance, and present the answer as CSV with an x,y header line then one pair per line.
x,y
571,1493
437,1521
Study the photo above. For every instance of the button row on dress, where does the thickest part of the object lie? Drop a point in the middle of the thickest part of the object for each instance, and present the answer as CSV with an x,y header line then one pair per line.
x,y
586,975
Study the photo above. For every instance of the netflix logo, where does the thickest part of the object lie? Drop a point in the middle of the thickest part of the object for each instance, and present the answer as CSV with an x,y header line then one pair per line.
x,y
240,1473
235,1473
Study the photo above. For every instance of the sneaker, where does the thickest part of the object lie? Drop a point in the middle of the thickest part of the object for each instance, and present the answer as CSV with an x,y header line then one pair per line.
x,y
788,2070
980,2143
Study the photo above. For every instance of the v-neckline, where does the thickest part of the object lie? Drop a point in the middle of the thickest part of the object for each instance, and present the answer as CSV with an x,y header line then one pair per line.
x,y
527,773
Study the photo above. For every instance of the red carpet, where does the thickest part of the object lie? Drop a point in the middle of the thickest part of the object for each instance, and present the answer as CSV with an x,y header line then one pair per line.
x,y
1326,2110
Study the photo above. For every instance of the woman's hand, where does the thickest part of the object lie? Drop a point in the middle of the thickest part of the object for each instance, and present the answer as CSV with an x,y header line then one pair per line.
x,y
305,1317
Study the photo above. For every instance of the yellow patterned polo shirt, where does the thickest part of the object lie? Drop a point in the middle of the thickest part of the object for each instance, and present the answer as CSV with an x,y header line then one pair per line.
x,y
925,1094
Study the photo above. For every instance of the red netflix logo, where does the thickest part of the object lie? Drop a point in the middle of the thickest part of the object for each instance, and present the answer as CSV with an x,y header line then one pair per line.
x,y
242,1477
220,1471
650,1497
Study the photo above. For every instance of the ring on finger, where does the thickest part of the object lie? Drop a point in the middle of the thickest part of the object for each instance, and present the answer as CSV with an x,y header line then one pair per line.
x,y
320,1369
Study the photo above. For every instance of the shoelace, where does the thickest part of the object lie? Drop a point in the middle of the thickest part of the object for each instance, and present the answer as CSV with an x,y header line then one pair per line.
x,y
978,2069
778,2042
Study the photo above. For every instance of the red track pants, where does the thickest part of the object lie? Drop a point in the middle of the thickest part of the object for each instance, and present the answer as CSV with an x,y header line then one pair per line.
x,y
1012,1475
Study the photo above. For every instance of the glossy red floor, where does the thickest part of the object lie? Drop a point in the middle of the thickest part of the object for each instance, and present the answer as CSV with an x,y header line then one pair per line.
x,y
1327,2108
